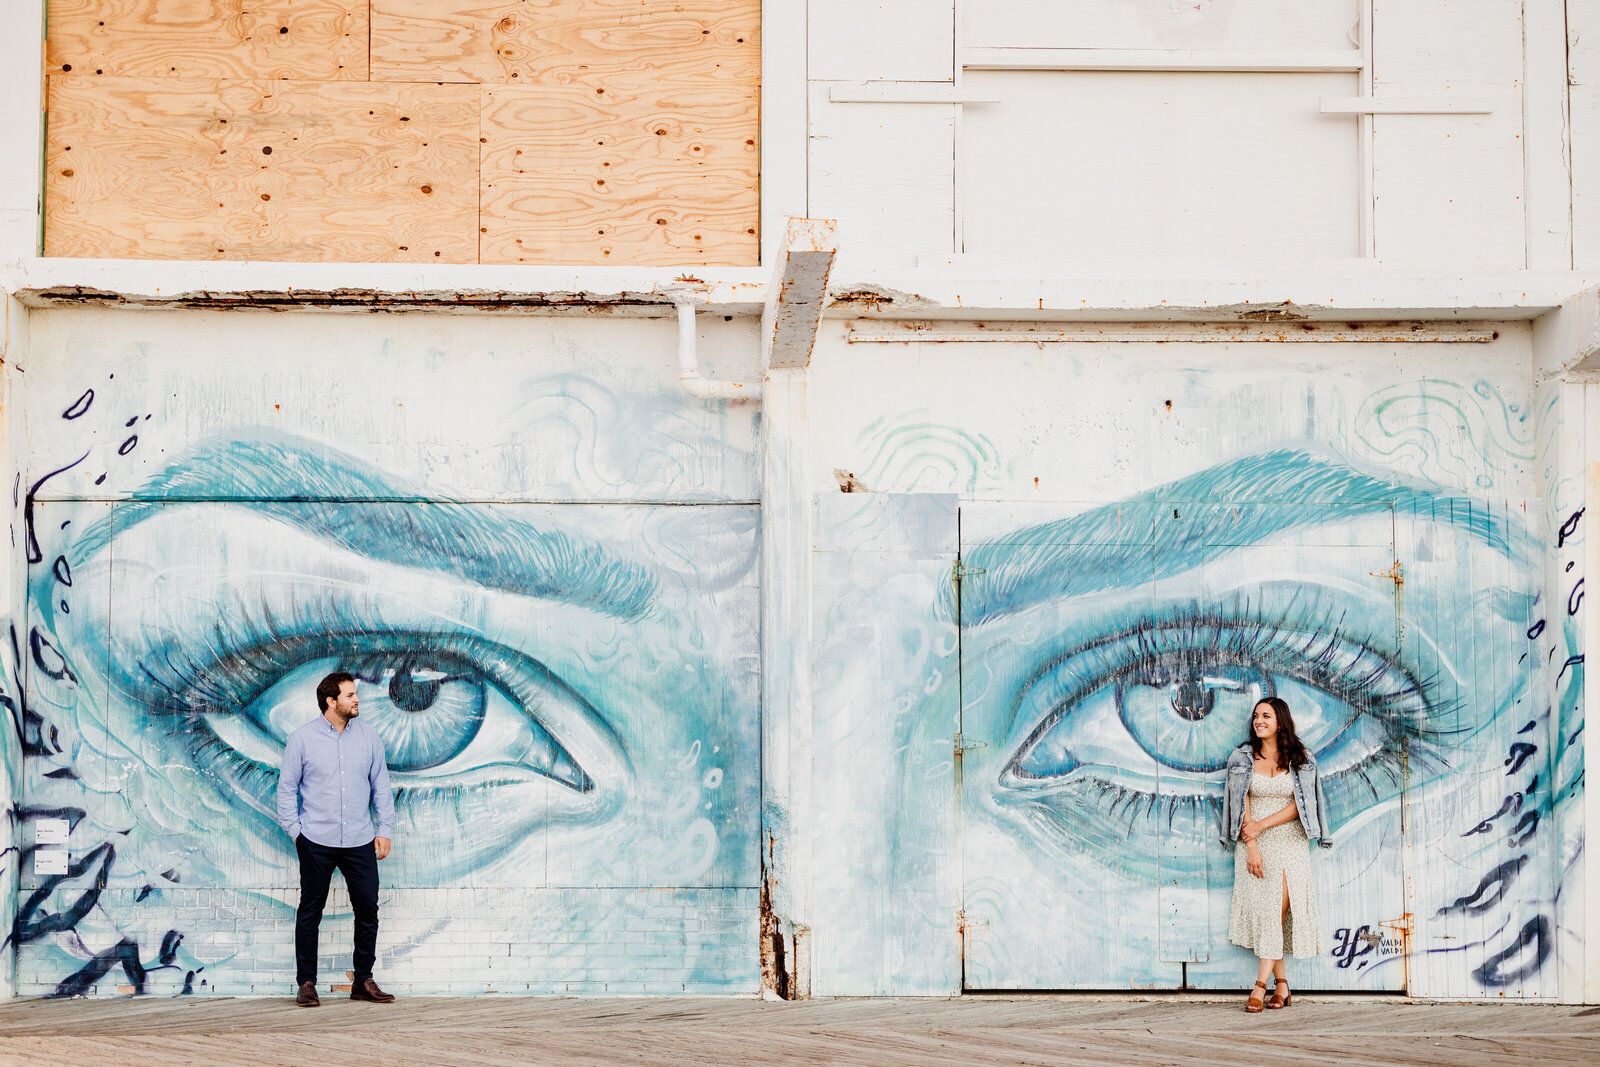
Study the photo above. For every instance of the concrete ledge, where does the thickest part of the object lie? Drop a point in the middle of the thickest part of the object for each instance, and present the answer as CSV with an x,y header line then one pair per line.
x,y
1145,293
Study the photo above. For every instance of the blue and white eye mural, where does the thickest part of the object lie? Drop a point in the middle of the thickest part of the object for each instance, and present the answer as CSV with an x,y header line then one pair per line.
x,y
566,695
1108,658
1020,710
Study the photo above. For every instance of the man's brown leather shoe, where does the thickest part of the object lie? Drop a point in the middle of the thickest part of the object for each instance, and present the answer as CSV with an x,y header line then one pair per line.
x,y
368,990
307,997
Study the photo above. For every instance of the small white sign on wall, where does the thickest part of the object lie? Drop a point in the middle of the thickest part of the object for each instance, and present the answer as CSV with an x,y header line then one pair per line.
x,y
50,861
50,832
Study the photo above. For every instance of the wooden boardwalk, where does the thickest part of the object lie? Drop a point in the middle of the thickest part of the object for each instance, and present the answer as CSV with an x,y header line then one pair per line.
x,y
710,1033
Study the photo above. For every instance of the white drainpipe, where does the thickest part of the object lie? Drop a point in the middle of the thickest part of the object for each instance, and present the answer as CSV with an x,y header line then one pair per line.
x,y
694,383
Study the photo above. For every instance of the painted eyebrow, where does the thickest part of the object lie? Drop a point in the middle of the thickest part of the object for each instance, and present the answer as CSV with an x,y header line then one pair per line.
x,y
334,496
1250,499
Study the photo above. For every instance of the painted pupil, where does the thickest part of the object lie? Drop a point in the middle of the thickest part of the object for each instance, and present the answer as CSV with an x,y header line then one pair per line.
x,y
410,693
1192,700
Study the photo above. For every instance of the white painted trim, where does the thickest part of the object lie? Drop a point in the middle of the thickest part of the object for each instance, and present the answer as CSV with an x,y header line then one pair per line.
x,y
922,332
784,120
21,126
1546,132
902,93
1366,174
947,287
1590,909
787,813
1173,59
1405,105
468,284
958,75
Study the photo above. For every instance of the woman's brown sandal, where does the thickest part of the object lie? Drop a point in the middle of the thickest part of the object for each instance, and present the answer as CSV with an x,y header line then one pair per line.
x,y
1282,997
1256,1002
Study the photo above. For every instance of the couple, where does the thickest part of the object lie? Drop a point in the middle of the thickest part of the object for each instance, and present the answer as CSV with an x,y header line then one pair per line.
x,y
334,777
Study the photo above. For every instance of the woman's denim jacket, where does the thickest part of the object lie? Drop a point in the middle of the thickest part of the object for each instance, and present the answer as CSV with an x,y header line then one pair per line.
x,y
1307,786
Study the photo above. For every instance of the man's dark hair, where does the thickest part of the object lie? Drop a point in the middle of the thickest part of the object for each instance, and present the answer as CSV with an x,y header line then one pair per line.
x,y
328,688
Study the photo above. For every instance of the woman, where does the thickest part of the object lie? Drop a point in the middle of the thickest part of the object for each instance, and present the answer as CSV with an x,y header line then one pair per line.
x,y
1274,803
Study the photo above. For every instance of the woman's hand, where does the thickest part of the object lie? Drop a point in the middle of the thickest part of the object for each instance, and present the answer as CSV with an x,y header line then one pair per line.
x,y
1252,862
1250,830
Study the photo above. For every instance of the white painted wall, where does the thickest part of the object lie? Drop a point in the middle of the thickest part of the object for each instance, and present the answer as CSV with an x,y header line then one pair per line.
x,y
1583,64
1141,130
1187,141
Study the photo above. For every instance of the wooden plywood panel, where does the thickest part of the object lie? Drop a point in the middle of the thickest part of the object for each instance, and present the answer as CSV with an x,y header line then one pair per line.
x,y
634,171
330,171
565,42
1448,189
310,39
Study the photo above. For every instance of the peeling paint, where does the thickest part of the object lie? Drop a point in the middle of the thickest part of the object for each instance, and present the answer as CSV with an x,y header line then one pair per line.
x,y
374,300
879,298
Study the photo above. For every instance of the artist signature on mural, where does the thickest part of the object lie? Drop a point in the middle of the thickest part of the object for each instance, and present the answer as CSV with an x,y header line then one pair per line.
x,y
1362,945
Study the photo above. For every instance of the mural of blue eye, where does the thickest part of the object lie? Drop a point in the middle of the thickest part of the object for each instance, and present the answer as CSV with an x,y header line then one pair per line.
x,y
1169,699
439,714
425,711
455,711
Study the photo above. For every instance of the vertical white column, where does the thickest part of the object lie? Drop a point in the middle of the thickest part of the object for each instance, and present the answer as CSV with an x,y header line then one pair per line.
x,y
783,120
13,582
786,677
1585,924
21,126
1547,172
796,295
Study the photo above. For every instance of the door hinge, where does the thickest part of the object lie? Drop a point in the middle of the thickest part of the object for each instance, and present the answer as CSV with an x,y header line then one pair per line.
x,y
963,745
1395,574
959,570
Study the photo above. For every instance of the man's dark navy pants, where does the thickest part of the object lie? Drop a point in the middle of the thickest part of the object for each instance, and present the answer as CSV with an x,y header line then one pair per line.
x,y
359,865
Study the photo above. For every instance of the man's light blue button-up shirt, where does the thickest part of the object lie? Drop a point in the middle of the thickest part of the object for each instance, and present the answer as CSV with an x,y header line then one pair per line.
x,y
332,782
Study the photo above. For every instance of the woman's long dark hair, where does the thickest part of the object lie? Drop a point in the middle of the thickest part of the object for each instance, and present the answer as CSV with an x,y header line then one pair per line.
x,y
1292,754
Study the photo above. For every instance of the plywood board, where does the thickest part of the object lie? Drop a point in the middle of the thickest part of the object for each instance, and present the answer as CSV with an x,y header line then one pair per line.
x,y
307,171
636,171
324,40
565,42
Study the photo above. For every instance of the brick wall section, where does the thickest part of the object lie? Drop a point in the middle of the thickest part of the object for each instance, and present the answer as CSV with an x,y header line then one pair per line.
x,y
431,942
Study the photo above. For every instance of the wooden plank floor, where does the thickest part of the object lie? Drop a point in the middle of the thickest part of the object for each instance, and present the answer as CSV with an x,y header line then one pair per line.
x,y
711,1033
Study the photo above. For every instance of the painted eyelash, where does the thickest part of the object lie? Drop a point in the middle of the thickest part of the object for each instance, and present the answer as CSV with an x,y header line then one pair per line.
x,y
1312,648
245,652
1247,635
249,653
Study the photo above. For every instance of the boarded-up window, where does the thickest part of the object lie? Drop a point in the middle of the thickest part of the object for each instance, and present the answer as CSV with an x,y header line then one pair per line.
x,y
441,131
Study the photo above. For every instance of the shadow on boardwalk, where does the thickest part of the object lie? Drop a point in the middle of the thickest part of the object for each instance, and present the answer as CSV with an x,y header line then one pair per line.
x,y
710,1033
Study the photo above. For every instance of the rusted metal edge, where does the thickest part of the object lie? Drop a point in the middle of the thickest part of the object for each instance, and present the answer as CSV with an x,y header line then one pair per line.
x,y
377,300
879,331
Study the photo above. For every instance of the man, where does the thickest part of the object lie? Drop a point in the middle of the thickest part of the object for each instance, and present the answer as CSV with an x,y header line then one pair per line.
x,y
334,777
